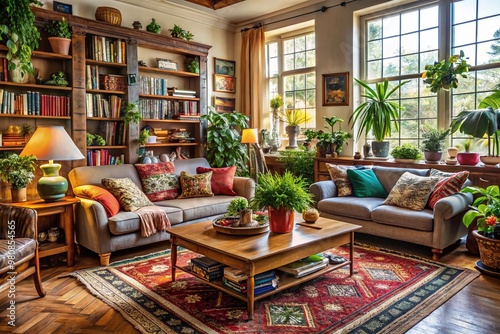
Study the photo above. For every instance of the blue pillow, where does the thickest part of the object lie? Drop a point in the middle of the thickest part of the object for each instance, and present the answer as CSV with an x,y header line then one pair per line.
x,y
365,183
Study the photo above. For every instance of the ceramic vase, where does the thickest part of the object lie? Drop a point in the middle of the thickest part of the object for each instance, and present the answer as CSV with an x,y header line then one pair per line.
x,y
292,132
489,250
281,220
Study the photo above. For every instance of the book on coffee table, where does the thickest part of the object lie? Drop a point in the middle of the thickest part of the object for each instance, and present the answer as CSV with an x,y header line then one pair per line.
x,y
304,267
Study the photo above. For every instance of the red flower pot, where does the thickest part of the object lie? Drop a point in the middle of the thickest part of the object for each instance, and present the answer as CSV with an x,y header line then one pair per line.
x,y
281,220
468,158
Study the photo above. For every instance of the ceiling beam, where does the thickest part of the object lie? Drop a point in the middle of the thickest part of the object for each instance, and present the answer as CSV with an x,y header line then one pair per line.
x,y
215,4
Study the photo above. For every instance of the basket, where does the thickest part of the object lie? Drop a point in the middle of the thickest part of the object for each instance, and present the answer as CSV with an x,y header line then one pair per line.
x,y
109,15
113,82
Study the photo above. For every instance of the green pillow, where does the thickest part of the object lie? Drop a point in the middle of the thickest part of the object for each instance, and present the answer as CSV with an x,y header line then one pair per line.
x,y
365,183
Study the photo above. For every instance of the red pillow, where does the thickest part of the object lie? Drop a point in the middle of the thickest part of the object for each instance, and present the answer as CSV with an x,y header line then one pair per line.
x,y
159,181
101,195
222,179
447,186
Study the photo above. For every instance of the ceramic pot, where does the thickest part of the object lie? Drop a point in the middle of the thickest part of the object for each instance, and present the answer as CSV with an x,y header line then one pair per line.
x,y
292,132
489,250
380,149
281,221
53,234
433,156
468,158
490,160
60,45
16,76
18,195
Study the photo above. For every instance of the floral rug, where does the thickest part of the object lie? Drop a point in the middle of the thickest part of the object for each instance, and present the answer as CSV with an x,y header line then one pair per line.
x,y
389,293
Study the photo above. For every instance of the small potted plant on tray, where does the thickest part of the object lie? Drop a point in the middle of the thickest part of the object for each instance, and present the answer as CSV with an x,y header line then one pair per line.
x,y
60,35
406,153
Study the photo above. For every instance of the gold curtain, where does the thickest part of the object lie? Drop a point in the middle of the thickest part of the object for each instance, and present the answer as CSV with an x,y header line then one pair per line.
x,y
252,74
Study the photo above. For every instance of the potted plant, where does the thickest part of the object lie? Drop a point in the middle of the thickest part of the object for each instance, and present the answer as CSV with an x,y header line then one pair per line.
x,y
19,172
338,138
433,144
178,32
377,114
153,27
282,195
60,35
239,207
406,153
57,79
21,36
276,103
193,64
293,118
310,136
486,211
467,157
444,74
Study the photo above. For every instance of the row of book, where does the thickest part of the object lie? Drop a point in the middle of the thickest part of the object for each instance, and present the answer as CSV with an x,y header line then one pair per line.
x,y
106,49
99,105
102,157
4,71
112,132
152,86
166,109
34,103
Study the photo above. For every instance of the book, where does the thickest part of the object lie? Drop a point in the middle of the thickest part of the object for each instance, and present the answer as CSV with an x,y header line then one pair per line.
x,y
207,263
304,265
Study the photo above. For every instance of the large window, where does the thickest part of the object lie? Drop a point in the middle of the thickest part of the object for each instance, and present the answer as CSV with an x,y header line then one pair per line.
x,y
291,73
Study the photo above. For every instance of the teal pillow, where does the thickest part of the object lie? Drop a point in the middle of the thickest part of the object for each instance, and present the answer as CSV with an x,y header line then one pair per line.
x,y
365,183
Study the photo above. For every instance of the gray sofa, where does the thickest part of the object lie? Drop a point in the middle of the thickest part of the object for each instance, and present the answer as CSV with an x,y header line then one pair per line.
x,y
103,235
436,228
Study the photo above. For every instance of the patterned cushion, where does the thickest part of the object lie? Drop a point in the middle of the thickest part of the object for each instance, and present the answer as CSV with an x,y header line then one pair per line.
x,y
127,193
222,179
338,174
159,180
448,184
411,191
101,195
198,185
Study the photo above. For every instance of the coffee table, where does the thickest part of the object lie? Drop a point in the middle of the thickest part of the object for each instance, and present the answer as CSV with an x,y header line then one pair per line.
x,y
256,254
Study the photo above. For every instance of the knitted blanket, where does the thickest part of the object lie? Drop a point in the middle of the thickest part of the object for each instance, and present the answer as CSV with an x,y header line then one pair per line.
x,y
153,219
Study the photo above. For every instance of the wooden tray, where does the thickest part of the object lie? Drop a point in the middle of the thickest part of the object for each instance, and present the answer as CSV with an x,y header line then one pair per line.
x,y
240,230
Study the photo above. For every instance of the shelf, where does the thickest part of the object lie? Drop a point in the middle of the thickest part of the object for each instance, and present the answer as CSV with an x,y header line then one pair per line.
x,y
11,148
44,87
43,54
108,147
168,97
103,91
48,249
104,119
104,63
169,72
171,144
170,120
35,116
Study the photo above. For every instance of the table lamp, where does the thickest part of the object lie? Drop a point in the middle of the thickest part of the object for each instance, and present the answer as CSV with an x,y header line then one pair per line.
x,y
250,136
52,143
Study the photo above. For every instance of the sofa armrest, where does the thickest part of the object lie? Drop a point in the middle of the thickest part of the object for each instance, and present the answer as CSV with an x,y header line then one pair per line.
x,y
91,226
450,206
322,190
244,186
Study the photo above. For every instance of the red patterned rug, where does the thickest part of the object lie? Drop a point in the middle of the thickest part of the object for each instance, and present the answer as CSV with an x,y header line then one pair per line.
x,y
389,293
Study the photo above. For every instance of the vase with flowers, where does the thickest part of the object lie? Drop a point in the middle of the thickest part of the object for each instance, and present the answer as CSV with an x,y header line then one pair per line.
x,y
276,103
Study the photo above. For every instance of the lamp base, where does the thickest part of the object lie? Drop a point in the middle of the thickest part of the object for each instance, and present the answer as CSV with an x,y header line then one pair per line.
x,y
51,187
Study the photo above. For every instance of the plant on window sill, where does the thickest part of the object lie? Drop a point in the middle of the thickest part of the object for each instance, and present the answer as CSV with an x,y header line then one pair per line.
x,y
445,74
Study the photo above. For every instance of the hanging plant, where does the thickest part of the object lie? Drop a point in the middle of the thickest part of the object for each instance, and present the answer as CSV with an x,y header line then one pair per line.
x,y
445,74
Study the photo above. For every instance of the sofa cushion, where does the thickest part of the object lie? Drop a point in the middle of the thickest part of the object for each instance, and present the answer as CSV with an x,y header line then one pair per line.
x,y
448,184
129,222
365,183
101,195
411,191
338,173
350,206
389,176
417,220
200,208
198,185
127,193
222,179
159,181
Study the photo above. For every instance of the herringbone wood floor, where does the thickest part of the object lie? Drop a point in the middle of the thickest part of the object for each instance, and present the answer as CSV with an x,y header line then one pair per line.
x,y
70,308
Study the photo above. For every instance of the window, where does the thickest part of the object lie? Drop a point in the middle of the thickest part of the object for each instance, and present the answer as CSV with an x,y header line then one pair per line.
x,y
291,73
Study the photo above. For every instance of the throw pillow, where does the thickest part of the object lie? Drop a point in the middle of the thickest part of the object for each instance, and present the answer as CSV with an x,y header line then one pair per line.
x,y
365,183
222,179
411,191
448,184
127,193
159,180
339,176
198,185
101,195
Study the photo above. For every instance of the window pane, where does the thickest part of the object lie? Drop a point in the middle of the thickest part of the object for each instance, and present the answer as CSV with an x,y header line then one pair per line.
x,y
310,98
409,64
487,79
273,67
410,89
288,46
300,99
464,10
300,81
289,83
428,107
375,69
466,85
273,49
374,29
408,128
409,22
484,55
288,64
464,33
391,67
375,50
427,58
429,17
488,8
463,102
289,100
411,108
486,28
390,47
311,80
409,43
300,44
311,58
311,41
300,60
390,26
469,51
429,40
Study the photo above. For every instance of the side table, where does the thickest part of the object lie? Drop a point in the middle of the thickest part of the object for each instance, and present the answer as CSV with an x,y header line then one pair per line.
x,y
63,208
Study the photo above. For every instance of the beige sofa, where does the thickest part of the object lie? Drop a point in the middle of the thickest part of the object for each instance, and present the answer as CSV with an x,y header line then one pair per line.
x,y
103,235
436,228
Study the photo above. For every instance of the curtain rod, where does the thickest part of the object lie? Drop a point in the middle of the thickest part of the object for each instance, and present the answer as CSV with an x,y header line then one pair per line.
x,y
322,9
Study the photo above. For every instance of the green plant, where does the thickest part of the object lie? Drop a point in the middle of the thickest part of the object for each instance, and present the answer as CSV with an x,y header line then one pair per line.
x,y
299,163
434,139
406,151
377,114
95,140
223,147
193,64
89,138
237,205
19,31
486,209
26,129
131,113
294,117
178,32
18,170
143,137
281,192
444,74
310,135
57,79
153,27
276,102
58,28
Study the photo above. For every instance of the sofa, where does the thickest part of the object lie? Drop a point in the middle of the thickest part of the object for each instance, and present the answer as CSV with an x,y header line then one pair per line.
x,y
104,235
436,228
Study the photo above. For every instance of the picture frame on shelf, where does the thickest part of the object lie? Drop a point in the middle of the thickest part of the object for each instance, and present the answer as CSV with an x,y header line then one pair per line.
x,y
224,83
62,7
336,89
225,67
167,64
224,104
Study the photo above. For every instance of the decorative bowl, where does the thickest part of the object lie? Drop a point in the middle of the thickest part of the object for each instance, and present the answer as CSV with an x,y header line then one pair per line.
x,y
238,230
109,15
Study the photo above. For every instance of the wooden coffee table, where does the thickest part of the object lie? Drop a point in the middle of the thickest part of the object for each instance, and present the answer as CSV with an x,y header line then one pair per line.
x,y
256,254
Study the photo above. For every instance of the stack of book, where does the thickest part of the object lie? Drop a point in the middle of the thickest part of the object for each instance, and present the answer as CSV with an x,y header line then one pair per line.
x,y
206,268
305,266
174,91
237,280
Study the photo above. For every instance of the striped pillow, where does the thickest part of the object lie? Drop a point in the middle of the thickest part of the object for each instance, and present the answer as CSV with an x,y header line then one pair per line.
x,y
448,184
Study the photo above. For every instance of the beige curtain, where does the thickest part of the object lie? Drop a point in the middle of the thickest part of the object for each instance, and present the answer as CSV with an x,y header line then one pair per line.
x,y
252,74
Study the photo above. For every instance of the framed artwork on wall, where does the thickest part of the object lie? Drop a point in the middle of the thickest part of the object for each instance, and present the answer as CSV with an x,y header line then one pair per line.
x,y
62,7
224,104
224,67
224,83
336,89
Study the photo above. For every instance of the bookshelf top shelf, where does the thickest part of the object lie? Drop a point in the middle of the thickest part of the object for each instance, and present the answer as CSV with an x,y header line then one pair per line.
x,y
35,86
43,54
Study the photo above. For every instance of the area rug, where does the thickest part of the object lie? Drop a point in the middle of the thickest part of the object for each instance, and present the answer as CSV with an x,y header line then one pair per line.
x,y
389,293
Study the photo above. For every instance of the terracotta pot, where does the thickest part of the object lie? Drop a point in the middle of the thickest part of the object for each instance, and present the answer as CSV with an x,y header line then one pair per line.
x,y
60,45
490,160
489,250
281,221
468,158
18,195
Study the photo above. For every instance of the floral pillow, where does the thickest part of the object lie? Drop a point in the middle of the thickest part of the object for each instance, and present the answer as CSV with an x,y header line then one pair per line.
x,y
448,184
127,193
338,173
198,185
159,180
411,191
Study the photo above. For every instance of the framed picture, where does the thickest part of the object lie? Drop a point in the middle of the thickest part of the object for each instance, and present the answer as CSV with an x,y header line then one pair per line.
x,y
224,104
224,83
62,7
166,64
336,89
224,67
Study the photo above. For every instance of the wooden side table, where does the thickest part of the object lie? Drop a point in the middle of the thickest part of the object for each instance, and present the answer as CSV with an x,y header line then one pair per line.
x,y
63,208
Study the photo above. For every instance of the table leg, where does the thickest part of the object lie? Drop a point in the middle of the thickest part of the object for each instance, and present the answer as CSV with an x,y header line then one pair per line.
x,y
69,234
250,296
173,257
351,254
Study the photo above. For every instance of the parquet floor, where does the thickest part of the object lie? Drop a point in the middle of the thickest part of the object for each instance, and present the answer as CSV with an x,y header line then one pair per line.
x,y
70,308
